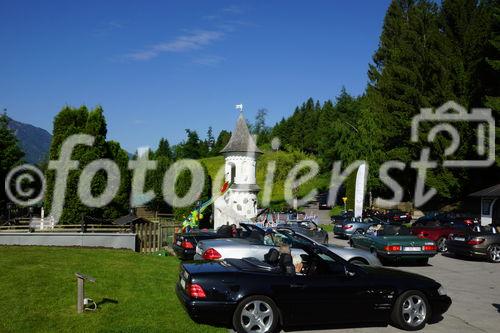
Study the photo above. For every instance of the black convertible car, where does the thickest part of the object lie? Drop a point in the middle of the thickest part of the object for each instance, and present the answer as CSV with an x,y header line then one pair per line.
x,y
253,296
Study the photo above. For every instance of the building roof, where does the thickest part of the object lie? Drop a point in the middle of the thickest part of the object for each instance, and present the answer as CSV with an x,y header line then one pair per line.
x,y
129,219
493,191
241,141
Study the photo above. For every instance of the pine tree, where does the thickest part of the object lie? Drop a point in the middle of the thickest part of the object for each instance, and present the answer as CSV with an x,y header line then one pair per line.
x,y
11,155
78,121
120,204
191,148
210,141
221,142
493,100
163,149
410,70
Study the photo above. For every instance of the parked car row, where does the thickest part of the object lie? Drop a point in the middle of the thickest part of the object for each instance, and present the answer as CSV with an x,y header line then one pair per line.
x,y
238,284
253,244
456,233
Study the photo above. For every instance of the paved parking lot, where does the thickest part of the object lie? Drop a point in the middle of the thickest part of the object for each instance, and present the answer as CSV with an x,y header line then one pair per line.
x,y
473,286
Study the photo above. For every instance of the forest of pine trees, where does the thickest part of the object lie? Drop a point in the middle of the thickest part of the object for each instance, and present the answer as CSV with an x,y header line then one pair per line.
x,y
428,53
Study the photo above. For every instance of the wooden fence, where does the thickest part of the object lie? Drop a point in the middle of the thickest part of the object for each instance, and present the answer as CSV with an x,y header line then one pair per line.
x,y
151,237
92,228
155,236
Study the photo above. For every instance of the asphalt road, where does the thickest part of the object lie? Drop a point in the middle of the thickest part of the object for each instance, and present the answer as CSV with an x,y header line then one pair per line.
x,y
473,286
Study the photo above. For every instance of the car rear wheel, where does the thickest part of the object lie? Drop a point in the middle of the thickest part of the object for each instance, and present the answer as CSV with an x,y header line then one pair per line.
x,y
441,243
256,314
411,311
494,253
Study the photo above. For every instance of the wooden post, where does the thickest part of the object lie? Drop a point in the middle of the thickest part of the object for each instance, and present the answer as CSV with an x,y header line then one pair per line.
x,y
153,234
80,295
80,283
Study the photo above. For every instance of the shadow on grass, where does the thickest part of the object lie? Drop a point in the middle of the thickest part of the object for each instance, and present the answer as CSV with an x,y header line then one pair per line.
x,y
106,301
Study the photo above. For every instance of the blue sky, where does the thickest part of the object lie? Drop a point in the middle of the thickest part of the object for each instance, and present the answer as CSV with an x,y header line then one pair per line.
x,y
159,67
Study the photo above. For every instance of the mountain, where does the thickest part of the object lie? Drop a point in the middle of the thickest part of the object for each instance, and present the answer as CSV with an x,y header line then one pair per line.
x,y
35,141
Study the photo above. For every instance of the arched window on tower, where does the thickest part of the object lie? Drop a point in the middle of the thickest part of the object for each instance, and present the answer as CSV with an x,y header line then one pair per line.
x,y
232,175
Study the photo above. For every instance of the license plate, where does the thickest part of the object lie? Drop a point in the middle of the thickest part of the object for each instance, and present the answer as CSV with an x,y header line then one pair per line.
x,y
412,248
199,251
460,239
179,243
183,284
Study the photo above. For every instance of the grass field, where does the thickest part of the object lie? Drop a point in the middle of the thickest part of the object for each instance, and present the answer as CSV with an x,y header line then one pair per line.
x,y
135,292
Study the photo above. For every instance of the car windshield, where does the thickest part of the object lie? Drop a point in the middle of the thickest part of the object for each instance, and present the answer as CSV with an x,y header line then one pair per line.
x,y
296,239
393,230
486,229
277,239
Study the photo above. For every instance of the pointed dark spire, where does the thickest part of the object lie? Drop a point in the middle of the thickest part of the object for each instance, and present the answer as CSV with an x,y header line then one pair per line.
x,y
241,141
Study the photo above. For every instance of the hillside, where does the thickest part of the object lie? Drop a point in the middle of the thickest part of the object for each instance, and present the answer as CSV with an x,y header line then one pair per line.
x,y
34,141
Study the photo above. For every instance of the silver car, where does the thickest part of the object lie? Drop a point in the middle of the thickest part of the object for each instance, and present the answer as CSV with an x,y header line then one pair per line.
x,y
215,249
307,228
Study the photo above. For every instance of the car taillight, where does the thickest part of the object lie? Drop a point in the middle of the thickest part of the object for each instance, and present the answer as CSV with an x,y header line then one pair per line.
x,y
211,254
430,248
195,291
346,227
469,222
392,248
475,241
187,245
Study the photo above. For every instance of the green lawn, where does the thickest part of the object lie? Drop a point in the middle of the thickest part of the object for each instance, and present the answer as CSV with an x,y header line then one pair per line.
x,y
38,291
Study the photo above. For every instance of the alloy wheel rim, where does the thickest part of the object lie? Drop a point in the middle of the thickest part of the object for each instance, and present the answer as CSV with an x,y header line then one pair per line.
x,y
257,317
495,253
442,245
414,310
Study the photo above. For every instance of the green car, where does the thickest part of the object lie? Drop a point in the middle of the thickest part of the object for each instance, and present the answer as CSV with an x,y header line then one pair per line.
x,y
394,243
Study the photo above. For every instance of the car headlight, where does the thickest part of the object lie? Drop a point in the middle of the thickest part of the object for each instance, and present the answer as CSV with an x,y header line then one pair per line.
x,y
441,291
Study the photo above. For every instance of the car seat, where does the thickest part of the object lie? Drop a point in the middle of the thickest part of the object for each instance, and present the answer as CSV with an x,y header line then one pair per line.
x,y
286,264
272,257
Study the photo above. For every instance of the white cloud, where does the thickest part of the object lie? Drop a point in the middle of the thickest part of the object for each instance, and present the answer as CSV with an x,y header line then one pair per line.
x,y
184,43
208,60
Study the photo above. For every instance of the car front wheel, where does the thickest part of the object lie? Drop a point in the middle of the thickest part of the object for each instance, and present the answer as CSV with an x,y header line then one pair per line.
x,y
411,311
256,314
494,253
441,243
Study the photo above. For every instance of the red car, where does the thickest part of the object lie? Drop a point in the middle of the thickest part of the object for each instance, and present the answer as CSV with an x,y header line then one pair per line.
x,y
439,227
396,216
